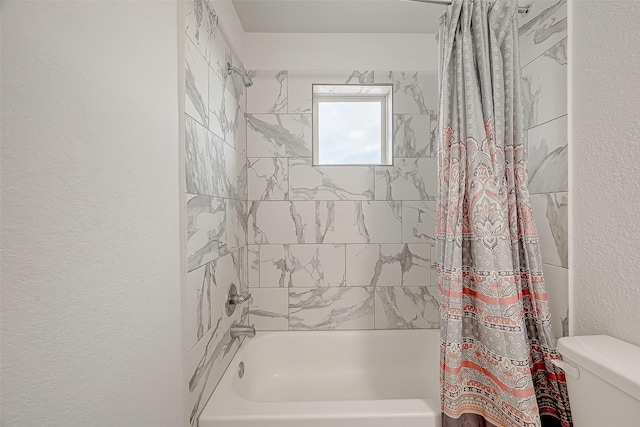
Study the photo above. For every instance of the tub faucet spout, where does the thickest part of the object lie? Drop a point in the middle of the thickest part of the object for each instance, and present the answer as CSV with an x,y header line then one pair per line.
x,y
238,331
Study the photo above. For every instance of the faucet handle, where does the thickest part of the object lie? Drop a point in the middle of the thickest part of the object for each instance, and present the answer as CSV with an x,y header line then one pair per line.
x,y
233,299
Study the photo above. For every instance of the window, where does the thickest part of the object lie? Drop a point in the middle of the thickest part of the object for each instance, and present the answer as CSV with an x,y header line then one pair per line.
x,y
352,125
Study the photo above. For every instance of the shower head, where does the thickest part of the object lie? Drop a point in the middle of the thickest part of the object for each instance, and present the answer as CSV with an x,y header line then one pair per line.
x,y
246,80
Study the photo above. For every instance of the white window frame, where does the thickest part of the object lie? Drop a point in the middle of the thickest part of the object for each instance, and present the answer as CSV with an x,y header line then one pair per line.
x,y
355,93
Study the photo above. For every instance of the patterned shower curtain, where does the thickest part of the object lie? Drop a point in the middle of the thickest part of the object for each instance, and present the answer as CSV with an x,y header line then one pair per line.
x,y
497,344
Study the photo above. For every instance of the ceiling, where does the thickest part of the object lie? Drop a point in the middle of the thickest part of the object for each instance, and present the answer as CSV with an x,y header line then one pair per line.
x,y
338,16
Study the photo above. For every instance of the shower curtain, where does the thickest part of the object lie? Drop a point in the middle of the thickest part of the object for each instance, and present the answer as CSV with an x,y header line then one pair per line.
x,y
497,344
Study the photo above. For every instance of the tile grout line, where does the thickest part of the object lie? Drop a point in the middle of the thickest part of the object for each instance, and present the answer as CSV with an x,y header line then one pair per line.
x,y
548,121
206,128
542,54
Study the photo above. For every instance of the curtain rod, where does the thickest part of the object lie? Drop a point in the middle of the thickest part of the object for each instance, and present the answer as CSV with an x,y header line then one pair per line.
x,y
522,9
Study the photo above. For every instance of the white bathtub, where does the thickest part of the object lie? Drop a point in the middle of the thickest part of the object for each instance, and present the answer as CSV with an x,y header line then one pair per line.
x,y
330,379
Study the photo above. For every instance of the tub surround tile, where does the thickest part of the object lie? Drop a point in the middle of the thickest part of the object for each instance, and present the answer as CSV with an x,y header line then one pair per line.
x,y
240,168
279,135
414,92
300,83
550,213
543,27
556,280
434,271
206,229
240,260
219,54
234,82
281,222
268,178
199,300
308,182
331,308
269,93
202,29
253,263
204,160
434,135
544,88
235,174
226,97
196,84
208,361
216,183
418,221
406,308
227,270
388,265
209,357
269,309
548,157
559,53
224,111
412,135
212,168
307,265
407,179
315,265
234,103
273,266
543,54
236,224
217,114
240,141
358,222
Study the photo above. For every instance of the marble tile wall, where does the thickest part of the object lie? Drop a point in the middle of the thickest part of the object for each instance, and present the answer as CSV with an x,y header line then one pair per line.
x,y
543,56
216,199
340,247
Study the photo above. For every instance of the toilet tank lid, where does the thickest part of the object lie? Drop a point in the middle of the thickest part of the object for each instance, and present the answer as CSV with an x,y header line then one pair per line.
x,y
615,361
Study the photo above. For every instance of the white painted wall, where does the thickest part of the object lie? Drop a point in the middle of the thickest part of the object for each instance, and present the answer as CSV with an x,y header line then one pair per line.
x,y
605,190
91,326
292,51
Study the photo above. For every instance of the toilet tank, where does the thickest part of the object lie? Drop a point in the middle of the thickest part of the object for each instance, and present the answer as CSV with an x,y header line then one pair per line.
x,y
603,378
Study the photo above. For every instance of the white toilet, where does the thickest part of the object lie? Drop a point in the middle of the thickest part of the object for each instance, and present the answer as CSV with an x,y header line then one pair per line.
x,y
603,377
